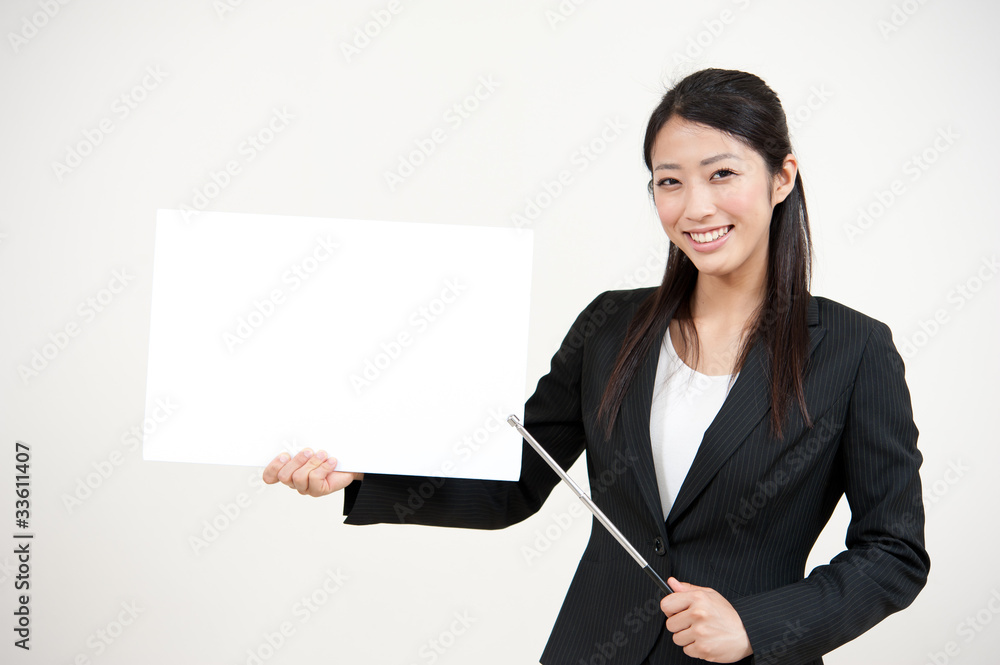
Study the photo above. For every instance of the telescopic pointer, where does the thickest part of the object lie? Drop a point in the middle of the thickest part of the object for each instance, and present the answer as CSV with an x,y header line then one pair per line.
x,y
514,422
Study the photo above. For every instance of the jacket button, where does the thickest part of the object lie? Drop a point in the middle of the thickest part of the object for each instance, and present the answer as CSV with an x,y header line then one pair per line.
x,y
658,546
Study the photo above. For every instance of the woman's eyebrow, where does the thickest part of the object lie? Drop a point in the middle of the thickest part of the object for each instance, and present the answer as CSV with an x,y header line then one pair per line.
x,y
704,162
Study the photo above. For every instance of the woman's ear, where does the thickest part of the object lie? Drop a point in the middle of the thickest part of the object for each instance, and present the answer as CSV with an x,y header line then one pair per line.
x,y
784,179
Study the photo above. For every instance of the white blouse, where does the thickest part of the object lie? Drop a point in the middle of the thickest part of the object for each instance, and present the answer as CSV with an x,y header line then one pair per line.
x,y
685,403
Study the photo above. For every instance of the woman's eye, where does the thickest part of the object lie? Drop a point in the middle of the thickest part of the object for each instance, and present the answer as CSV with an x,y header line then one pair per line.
x,y
667,181
725,172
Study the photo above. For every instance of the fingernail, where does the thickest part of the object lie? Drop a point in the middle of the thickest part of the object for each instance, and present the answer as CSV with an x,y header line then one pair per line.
x,y
307,453
284,457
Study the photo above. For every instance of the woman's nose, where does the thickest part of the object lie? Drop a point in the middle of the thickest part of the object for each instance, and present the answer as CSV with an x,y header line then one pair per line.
x,y
698,203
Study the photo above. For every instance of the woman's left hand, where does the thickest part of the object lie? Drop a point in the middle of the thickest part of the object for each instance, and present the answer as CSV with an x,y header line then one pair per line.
x,y
704,623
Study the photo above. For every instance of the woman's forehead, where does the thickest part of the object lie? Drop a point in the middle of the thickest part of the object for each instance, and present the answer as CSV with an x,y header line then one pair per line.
x,y
681,143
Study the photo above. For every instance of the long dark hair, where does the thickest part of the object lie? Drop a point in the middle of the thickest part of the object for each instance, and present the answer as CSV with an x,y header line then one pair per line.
x,y
744,107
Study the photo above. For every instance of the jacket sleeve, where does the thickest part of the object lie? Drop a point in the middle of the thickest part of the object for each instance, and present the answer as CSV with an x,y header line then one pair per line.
x,y
552,414
885,564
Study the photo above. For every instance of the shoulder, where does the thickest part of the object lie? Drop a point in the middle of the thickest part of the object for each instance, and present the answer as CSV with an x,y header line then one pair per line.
x,y
849,332
831,309
846,321
627,299
602,324
614,306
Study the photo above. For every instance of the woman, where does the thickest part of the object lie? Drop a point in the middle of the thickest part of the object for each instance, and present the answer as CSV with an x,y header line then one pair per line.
x,y
724,414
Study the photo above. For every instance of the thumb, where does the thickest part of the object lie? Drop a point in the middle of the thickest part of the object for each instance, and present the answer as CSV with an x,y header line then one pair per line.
x,y
677,585
337,480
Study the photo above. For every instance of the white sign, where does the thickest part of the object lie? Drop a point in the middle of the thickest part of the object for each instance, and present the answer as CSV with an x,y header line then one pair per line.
x,y
396,347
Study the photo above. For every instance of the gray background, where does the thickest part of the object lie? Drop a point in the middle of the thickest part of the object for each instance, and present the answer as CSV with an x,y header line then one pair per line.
x,y
864,103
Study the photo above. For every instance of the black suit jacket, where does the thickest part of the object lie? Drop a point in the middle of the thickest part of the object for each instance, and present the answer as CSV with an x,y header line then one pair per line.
x,y
748,512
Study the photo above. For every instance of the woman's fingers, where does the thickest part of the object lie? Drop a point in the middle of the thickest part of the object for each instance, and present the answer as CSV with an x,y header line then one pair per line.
x,y
309,473
271,470
300,477
293,465
324,480
316,484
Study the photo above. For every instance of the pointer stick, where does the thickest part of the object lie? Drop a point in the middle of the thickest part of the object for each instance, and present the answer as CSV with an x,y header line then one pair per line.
x,y
514,422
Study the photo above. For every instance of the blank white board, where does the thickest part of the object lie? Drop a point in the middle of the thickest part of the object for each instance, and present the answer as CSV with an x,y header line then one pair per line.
x,y
397,347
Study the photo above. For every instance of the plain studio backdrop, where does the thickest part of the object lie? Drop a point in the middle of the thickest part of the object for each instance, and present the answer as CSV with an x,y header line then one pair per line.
x,y
451,112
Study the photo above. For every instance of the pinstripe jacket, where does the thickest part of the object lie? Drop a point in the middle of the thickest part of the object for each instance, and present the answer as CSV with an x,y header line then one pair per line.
x,y
748,512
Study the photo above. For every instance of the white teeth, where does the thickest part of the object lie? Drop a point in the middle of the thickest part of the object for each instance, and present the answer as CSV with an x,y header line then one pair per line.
x,y
709,237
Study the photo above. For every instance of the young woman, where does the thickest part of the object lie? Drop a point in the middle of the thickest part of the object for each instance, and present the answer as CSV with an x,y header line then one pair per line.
x,y
724,414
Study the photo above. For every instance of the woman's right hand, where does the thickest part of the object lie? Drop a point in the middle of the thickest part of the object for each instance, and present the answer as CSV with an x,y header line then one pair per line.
x,y
312,474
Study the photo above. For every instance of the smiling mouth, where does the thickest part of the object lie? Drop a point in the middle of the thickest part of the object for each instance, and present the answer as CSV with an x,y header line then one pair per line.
x,y
710,236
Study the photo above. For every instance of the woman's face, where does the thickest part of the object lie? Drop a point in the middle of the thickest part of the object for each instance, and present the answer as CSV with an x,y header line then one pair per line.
x,y
711,194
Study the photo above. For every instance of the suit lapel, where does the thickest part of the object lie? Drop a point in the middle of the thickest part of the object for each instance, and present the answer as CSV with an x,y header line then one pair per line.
x,y
635,409
748,401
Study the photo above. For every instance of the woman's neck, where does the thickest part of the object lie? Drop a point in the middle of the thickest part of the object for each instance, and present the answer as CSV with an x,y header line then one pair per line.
x,y
725,302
